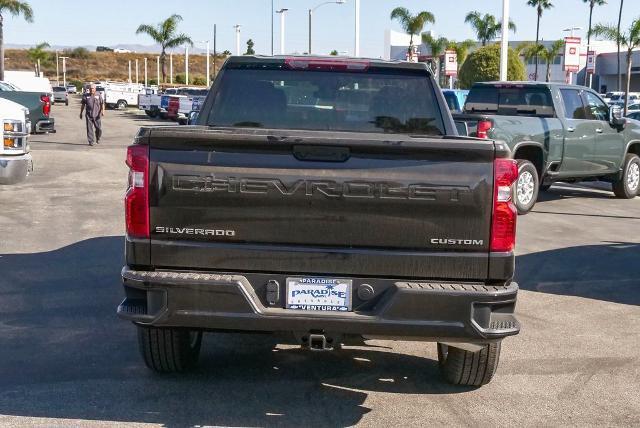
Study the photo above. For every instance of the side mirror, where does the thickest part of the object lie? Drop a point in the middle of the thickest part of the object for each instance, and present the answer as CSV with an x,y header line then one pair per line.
x,y
615,116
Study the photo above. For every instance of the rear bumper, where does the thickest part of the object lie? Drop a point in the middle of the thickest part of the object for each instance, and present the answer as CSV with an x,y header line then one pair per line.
x,y
426,310
14,169
45,125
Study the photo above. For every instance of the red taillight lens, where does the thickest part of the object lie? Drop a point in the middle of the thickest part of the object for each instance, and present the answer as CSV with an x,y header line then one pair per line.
x,y
46,104
483,128
503,223
137,198
330,64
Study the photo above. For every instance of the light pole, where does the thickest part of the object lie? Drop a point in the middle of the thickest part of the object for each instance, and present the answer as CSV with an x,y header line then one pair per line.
x,y
158,70
504,43
311,16
57,70
145,72
271,28
186,64
356,48
206,42
130,72
64,70
237,27
137,72
282,13
171,68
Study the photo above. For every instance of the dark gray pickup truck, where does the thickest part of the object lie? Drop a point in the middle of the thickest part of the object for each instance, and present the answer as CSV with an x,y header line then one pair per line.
x,y
556,132
326,200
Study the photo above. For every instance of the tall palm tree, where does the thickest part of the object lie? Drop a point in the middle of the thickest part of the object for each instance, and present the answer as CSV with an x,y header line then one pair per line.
x,y
541,6
592,4
619,21
38,55
486,26
15,8
412,24
630,39
437,47
530,51
462,49
166,34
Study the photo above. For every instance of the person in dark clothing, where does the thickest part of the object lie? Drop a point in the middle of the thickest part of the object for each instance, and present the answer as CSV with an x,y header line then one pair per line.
x,y
93,103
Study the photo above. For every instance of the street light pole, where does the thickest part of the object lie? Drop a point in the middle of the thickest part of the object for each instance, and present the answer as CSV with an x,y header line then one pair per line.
x,y
237,27
130,72
137,71
158,70
208,65
504,43
171,68
57,70
64,70
186,64
271,29
145,72
313,9
282,13
356,49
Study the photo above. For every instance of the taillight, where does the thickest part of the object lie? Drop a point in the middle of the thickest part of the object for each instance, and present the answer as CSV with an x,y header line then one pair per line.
x,y
297,63
46,104
503,223
137,198
483,128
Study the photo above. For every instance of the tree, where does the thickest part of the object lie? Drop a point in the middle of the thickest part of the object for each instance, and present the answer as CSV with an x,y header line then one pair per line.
x,y
531,50
166,34
412,24
483,65
250,46
437,47
619,22
226,53
592,4
541,6
15,8
38,55
334,53
630,39
486,26
462,49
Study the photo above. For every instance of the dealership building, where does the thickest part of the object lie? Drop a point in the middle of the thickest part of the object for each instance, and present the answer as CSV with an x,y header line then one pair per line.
x,y
604,79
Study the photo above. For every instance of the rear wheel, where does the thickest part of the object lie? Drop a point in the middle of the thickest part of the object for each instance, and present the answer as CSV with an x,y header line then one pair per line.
x,y
461,367
527,186
121,105
628,186
169,350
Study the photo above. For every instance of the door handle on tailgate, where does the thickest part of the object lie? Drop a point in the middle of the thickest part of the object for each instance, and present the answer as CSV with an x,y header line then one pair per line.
x,y
321,153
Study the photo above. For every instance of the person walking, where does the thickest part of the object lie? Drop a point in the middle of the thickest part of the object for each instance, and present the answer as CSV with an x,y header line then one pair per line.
x,y
93,103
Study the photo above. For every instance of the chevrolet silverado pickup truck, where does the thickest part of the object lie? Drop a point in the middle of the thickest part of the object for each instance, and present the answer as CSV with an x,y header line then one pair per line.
x,y
15,159
38,103
556,132
328,201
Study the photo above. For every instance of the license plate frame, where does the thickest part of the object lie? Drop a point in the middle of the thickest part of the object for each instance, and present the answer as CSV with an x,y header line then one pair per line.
x,y
307,287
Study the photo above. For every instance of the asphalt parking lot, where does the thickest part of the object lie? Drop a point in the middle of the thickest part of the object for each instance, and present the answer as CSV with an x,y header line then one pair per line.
x,y
67,360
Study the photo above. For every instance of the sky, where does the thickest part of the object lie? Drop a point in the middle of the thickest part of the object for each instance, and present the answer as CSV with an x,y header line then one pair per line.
x,y
76,23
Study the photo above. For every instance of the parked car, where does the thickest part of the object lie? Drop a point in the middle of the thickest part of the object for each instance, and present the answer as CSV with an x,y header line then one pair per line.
x,y
607,97
620,100
60,95
634,115
71,89
382,222
38,103
15,159
455,99
556,132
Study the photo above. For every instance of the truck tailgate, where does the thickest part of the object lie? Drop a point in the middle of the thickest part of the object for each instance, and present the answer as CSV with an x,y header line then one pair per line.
x,y
366,204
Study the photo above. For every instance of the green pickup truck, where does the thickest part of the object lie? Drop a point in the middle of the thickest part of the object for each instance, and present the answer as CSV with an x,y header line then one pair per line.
x,y
556,132
38,103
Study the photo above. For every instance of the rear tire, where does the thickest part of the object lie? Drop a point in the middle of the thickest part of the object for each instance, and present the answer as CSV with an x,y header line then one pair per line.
x,y
527,187
460,367
628,186
169,350
121,105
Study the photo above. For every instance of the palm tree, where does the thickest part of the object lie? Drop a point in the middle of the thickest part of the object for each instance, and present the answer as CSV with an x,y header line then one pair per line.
x,y
38,55
530,51
165,34
540,6
462,49
619,21
412,24
592,4
15,8
437,47
629,39
486,26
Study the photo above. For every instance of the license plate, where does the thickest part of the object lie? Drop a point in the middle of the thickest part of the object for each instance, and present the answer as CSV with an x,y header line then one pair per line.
x,y
319,294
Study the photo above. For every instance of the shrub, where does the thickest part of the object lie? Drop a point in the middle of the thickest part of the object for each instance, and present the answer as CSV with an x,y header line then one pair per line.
x,y
77,83
180,78
77,53
484,65
199,80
